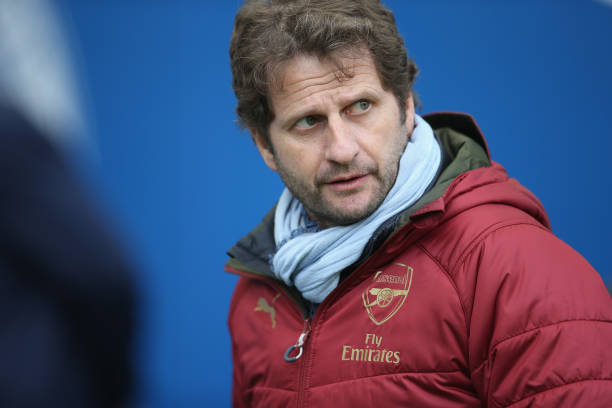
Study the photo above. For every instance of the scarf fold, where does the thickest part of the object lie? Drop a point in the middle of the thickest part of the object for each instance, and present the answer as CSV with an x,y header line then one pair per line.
x,y
311,258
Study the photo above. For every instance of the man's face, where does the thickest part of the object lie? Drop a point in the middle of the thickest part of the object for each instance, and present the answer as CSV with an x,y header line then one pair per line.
x,y
336,140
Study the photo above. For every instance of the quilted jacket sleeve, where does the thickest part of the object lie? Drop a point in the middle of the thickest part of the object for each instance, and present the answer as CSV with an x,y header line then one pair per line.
x,y
238,392
539,321
239,395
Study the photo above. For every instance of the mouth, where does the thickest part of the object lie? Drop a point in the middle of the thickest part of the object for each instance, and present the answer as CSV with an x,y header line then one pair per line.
x,y
348,182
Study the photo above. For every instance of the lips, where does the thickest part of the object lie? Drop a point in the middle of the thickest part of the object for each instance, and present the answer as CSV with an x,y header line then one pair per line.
x,y
346,183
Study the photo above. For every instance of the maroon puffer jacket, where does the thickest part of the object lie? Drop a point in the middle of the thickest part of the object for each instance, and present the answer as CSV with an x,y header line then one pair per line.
x,y
474,302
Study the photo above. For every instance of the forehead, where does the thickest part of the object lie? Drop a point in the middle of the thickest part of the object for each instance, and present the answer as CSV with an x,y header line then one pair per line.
x,y
306,76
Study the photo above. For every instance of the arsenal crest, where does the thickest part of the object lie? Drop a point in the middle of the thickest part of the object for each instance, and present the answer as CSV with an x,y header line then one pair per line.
x,y
387,292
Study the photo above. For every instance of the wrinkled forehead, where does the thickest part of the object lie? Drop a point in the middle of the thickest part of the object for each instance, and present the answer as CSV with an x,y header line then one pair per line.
x,y
341,62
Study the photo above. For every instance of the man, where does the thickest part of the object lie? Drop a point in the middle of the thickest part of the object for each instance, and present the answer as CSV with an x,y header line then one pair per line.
x,y
401,266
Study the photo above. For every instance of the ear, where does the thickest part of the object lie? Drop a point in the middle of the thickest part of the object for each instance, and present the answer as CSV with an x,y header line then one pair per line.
x,y
410,112
264,149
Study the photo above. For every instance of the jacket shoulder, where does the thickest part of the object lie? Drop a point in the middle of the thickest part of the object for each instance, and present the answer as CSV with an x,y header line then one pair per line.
x,y
537,313
453,239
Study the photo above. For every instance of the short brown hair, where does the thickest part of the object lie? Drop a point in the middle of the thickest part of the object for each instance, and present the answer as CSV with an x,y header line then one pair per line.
x,y
268,33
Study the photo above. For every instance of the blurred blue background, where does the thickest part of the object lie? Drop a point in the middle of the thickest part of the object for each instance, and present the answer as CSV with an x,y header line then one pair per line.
x,y
183,183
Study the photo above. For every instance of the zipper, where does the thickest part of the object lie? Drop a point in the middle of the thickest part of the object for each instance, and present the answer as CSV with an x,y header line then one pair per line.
x,y
294,352
301,390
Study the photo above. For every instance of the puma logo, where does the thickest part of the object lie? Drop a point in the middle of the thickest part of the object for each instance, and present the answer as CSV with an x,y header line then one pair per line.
x,y
263,306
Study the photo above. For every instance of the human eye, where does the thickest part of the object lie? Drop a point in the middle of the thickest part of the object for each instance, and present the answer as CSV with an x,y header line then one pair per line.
x,y
358,107
307,122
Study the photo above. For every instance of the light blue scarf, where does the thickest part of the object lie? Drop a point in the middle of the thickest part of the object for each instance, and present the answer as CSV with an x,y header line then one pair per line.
x,y
312,259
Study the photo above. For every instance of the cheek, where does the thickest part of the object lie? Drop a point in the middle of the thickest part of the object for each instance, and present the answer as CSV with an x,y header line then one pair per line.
x,y
301,161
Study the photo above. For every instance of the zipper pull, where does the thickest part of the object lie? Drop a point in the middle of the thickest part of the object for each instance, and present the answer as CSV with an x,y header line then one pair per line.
x,y
299,345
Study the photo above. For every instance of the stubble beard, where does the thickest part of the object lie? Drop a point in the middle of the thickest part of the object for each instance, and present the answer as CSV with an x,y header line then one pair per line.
x,y
323,210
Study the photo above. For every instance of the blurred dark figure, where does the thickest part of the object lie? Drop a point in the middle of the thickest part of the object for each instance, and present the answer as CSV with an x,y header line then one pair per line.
x,y
66,303
66,300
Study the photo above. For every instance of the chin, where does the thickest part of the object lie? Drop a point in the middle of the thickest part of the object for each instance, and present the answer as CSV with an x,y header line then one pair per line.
x,y
339,216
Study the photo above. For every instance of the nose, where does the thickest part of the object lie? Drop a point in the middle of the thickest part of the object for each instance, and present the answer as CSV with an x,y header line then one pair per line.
x,y
342,145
